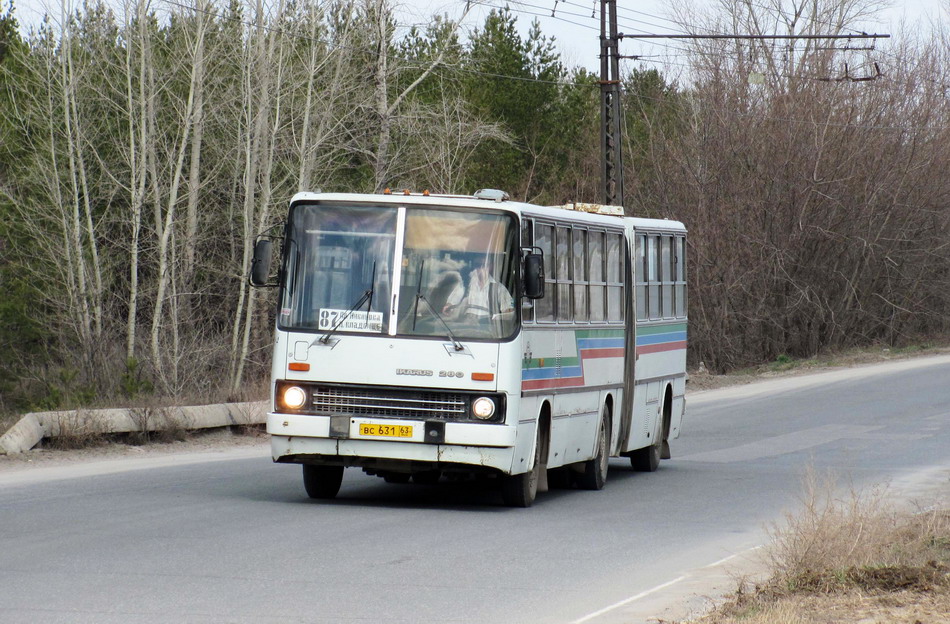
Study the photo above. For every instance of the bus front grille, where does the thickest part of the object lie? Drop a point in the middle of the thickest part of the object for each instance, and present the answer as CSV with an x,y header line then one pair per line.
x,y
390,403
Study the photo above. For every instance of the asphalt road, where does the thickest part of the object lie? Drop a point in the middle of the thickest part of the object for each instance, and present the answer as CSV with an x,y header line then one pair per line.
x,y
236,540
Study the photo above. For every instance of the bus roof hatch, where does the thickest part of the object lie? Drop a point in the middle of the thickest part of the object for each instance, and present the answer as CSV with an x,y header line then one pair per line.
x,y
604,209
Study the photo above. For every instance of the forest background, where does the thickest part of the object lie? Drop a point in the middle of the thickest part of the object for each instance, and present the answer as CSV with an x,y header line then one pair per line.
x,y
144,146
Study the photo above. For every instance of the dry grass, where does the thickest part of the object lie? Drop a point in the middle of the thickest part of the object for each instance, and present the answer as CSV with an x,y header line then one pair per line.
x,y
75,430
850,559
849,607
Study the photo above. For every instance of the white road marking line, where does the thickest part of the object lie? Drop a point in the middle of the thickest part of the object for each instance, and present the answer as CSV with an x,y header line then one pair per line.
x,y
646,593
616,605
732,556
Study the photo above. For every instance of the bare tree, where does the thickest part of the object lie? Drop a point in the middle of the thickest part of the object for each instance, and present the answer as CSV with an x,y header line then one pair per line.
x,y
165,218
263,69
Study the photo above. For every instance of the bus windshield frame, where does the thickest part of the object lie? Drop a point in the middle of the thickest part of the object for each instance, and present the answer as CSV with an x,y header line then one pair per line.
x,y
447,272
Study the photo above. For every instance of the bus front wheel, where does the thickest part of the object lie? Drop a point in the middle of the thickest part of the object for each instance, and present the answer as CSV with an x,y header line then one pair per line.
x,y
322,481
520,490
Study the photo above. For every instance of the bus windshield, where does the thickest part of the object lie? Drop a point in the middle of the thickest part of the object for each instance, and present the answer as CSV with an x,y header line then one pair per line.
x,y
455,273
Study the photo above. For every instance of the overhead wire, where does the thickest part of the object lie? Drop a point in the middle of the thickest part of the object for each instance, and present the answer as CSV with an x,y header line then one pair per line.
x,y
486,3
452,66
339,46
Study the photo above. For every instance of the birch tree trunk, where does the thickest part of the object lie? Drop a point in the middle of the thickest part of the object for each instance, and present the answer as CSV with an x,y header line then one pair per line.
x,y
380,14
165,249
312,139
190,243
139,138
66,87
267,59
257,97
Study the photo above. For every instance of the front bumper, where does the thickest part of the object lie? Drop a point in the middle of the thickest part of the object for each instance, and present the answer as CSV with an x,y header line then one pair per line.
x,y
296,436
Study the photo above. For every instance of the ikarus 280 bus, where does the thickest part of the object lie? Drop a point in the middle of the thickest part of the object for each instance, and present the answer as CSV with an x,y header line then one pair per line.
x,y
425,335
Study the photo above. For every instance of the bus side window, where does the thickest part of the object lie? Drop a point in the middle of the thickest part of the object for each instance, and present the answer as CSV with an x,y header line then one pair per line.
x,y
680,249
653,277
614,277
667,277
596,273
640,272
544,238
563,266
580,275
527,240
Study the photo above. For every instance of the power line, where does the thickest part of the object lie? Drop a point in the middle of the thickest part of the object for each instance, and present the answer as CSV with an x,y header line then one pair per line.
x,y
534,6
339,46
750,37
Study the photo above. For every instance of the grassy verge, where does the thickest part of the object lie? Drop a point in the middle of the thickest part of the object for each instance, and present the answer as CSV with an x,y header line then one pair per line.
x,y
851,560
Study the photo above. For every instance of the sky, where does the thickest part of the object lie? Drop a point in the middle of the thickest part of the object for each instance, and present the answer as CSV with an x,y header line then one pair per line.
x,y
575,30
577,33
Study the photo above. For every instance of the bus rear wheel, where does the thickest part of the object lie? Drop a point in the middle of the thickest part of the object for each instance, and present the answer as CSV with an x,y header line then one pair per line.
x,y
647,459
322,481
595,470
521,490
427,477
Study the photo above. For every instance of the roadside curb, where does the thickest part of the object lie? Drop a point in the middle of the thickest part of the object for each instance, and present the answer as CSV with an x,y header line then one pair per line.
x,y
32,428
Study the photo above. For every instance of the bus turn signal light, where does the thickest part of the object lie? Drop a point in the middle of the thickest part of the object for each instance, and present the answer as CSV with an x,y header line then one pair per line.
x,y
483,376
299,366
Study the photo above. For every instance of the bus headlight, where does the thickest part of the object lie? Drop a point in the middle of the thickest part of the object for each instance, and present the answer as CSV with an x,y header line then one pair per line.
x,y
293,397
483,408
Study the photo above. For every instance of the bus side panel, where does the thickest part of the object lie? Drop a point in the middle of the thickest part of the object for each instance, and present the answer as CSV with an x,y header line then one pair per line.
x,y
571,366
660,362
522,411
646,406
578,415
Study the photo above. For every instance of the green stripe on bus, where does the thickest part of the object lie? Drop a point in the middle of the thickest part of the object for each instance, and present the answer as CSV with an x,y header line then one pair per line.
x,y
551,362
599,333
650,330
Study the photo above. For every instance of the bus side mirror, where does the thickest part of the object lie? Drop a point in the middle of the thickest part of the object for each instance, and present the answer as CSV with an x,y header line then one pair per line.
x,y
534,276
260,265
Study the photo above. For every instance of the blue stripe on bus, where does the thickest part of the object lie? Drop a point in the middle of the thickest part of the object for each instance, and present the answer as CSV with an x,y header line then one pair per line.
x,y
550,372
600,343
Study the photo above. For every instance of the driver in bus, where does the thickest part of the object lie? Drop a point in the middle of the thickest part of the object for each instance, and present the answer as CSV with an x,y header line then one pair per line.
x,y
486,297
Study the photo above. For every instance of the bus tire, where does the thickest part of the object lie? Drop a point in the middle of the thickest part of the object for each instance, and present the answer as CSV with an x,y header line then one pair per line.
x,y
647,459
427,477
322,481
595,470
520,490
559,478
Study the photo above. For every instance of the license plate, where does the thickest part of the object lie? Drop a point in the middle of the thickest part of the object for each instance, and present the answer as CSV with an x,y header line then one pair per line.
x,y
386,431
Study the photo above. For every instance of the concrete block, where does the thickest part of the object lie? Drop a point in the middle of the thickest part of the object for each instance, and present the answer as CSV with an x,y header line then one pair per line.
x,y
22,436
32,428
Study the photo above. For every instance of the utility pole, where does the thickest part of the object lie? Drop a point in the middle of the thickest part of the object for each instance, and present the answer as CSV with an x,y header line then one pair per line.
x,y
611,161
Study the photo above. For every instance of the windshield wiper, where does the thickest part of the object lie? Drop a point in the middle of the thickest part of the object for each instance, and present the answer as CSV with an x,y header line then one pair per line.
x,y
458,346
366,297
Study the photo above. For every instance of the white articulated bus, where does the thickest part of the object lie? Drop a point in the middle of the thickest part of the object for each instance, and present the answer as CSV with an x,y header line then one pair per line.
x,y
425,335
